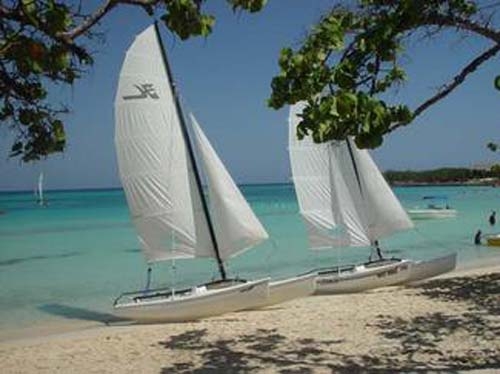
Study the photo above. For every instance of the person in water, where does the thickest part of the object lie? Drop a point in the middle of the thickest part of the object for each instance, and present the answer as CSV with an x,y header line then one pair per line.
x,y
492,218
477,238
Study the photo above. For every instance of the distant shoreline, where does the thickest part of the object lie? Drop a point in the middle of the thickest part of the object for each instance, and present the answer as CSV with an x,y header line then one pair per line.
x,y
465,183
469,183
119,188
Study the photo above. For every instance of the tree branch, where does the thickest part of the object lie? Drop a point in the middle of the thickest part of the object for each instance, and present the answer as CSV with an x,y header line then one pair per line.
x,y
466,24
459,79
98,14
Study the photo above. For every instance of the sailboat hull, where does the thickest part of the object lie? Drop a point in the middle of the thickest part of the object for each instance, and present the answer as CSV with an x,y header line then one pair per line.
x,y
364,277
423,270
289,289
196,304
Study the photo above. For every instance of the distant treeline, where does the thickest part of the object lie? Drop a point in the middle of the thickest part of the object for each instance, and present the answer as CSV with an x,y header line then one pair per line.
x,y
443,175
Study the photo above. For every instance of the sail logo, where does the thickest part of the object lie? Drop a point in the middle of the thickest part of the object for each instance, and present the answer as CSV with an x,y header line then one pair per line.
x,y
145,90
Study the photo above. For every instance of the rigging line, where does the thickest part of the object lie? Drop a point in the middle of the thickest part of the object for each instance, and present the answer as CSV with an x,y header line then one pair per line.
x,y
196,173
270,253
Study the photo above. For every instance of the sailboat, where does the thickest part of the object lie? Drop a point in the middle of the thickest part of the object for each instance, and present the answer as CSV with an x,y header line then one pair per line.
x,y
162,182
345,202
39,191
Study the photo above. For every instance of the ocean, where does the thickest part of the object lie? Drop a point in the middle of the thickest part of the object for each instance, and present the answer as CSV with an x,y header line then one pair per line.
x,y
67,261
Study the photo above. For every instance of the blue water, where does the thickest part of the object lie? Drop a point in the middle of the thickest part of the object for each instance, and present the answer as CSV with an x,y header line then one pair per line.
x,y
71,258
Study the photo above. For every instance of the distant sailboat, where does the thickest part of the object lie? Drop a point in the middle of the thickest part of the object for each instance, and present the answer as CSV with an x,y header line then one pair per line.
x,y
162,184
345,202
40,199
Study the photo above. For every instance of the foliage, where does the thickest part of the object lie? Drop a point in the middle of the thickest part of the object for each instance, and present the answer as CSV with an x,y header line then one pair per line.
x,y
351,59
44,43
443,175
495,170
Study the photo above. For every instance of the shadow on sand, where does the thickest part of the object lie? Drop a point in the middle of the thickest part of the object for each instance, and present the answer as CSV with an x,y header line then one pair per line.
x,y
71,312
422,334
248,352
415,342
482,293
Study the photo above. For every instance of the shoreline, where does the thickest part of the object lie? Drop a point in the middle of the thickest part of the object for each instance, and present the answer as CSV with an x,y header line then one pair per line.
x,y
448,323
101,320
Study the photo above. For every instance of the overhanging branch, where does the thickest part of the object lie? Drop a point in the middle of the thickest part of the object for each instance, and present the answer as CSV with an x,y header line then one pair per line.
x,y
459,79
98,14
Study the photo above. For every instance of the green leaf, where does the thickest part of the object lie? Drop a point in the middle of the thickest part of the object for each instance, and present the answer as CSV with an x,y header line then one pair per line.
x,y
58,129
497,82
30,9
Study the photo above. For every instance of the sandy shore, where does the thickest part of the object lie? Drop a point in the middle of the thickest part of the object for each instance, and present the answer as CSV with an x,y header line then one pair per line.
x,y
447,324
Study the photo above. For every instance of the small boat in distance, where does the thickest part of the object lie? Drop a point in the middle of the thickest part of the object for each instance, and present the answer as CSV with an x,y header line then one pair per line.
x,y
436,208
492,240
345,201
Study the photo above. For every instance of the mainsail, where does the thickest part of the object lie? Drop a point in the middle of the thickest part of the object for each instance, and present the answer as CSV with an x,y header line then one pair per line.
x,y
158,170
155,170
343,197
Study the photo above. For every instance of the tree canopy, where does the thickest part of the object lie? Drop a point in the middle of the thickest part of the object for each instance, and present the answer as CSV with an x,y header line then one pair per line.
x,y
46,42
343,69
351,59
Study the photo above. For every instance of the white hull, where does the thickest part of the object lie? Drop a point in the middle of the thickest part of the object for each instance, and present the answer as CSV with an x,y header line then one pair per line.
x,y
199,303
289,289
431,213
363,277
423,270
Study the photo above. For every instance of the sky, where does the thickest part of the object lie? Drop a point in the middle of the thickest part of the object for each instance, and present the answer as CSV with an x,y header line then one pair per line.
x,y
224,80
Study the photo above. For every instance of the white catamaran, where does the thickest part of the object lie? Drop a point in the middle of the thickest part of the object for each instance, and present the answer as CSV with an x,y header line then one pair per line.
x,y
162,184
345,202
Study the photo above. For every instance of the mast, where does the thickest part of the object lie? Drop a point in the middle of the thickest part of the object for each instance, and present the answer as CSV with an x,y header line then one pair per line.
x,y
185,135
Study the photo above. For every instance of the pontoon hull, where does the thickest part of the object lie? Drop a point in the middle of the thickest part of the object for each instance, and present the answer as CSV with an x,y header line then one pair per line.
x,y
423,270
289,289
197,305
363,278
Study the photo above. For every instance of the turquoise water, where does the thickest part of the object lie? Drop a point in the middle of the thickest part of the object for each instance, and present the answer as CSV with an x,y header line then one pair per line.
x,y
69,260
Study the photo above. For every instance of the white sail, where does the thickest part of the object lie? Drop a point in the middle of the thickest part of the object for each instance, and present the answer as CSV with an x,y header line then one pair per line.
x,y
342,195
235,224
154,165
383,212
310,165
347,203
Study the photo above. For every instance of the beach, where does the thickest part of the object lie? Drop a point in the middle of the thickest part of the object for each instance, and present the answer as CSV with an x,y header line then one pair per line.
x,y
450,323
